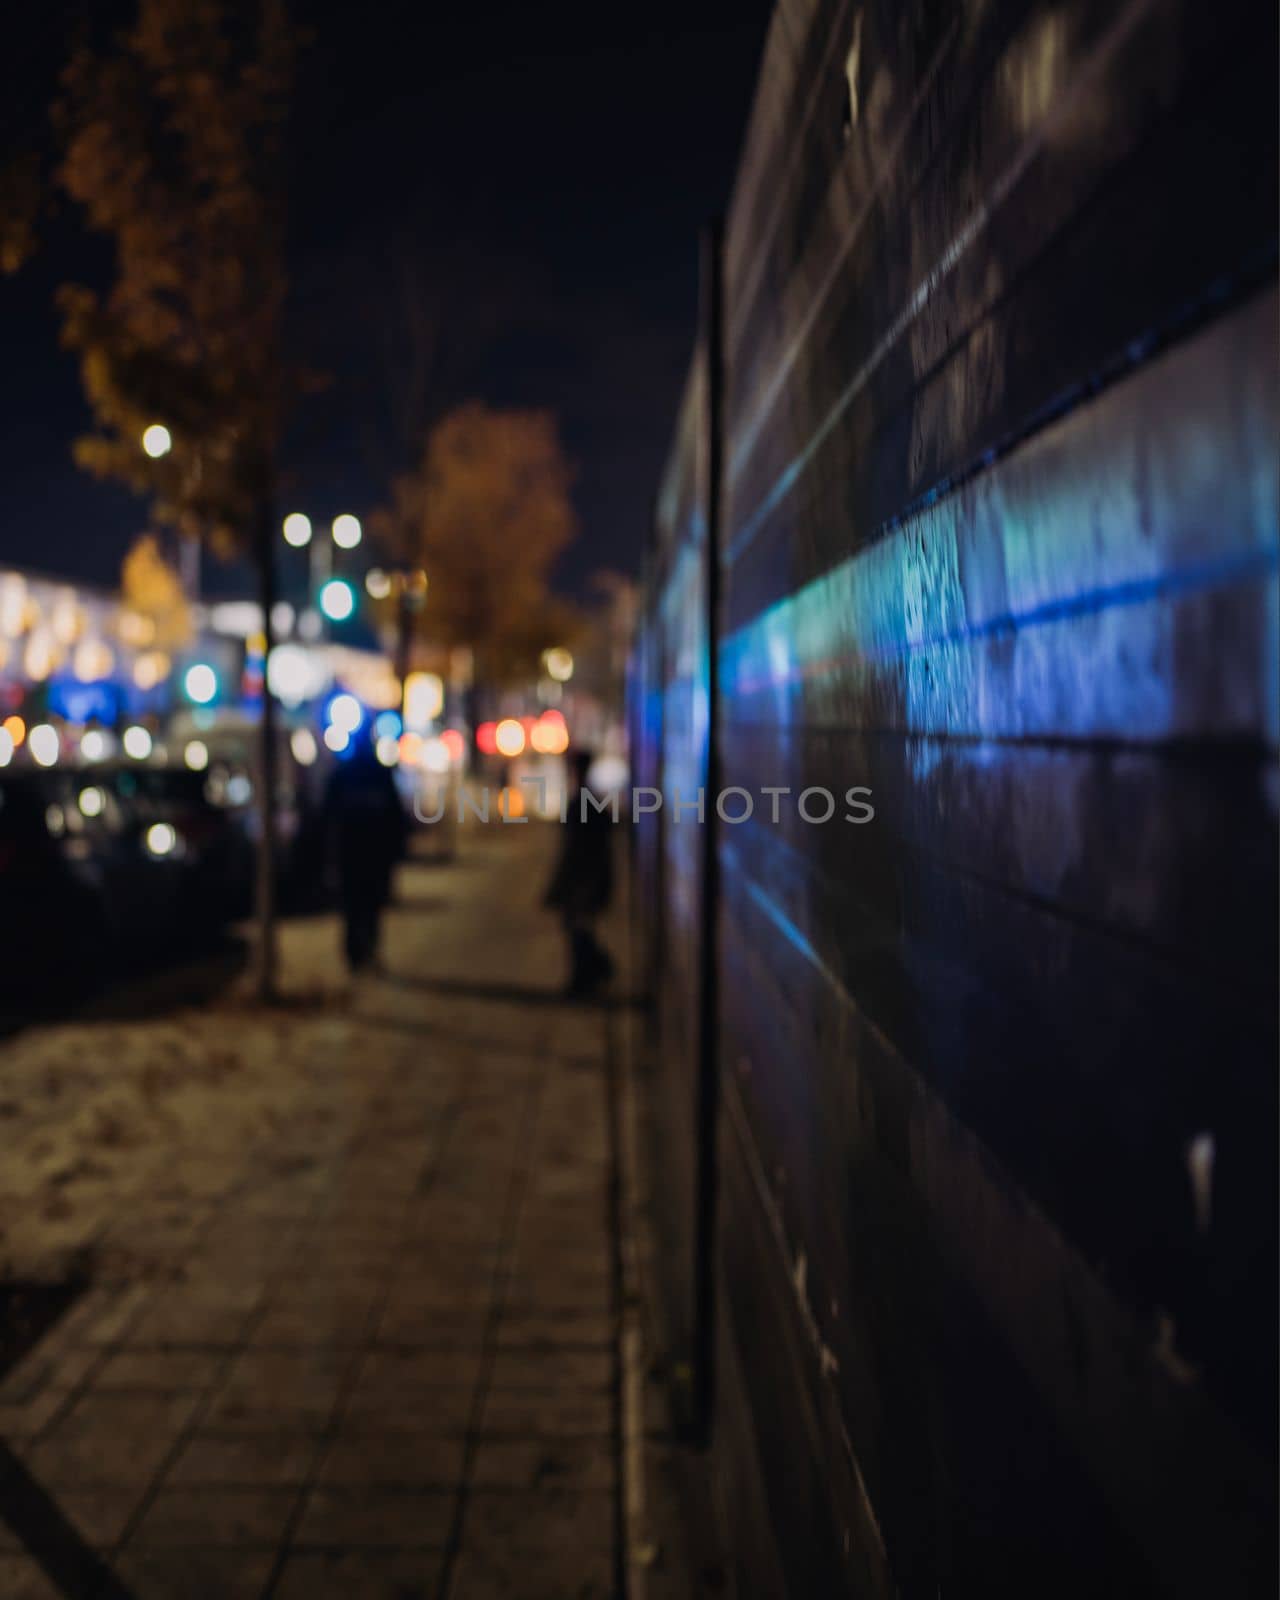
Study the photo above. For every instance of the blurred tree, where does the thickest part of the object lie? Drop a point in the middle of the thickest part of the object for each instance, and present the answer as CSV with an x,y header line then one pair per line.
x,y
20,201
152,590
485,517
172,142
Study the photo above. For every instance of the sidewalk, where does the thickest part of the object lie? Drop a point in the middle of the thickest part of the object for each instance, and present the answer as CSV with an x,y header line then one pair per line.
x,y
352,1327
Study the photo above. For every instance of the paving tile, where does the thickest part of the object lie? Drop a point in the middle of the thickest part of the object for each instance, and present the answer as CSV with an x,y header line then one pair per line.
x,y
434,1296
22,1422
111,1439
318,1327
395,1408
550,1412
351,1515
420,1367
550,1332
101,1315
394,1459
489,1574
187,1368
195,1573
22,1579
100,1515
553,1368
359,1575
407,1324
216,1515
570,1463
279,1389
175,1318
59,1367
274,1458
539,1520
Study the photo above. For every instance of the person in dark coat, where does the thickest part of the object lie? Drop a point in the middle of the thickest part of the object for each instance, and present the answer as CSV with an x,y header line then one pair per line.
x,y
367,826
581,886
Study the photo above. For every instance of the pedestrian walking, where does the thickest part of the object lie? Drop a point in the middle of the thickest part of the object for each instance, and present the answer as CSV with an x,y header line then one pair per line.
x,y
581,886
367,827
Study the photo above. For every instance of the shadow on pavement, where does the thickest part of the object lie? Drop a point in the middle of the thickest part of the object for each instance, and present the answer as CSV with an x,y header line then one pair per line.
x,y
508,993
192,976
27,1312
74,1568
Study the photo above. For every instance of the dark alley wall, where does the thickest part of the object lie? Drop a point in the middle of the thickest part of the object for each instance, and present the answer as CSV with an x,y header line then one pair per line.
x,y
995,1090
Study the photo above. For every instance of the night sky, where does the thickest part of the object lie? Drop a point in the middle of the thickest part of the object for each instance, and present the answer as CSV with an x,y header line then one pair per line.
x,y
525,183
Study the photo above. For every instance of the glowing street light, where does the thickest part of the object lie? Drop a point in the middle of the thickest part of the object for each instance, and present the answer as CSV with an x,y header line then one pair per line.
x,y
201,683
347,532
346,712
559,664
378,583
297,529
337,600
162,838
43,743
157,441
137,743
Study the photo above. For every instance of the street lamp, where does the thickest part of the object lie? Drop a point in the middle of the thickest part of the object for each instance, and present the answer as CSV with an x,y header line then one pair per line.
x,y
347,532
337,599
297,529
157,441
559,664
201,683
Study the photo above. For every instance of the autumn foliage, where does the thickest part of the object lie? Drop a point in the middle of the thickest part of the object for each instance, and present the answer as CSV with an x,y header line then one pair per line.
x,y
151,589
486,516
171,138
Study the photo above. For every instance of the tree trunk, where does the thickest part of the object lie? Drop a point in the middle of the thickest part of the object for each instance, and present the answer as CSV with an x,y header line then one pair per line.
x,y
404,640
268,954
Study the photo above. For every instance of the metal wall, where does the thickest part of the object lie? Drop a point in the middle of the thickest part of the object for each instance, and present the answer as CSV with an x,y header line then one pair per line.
x,y
996,1072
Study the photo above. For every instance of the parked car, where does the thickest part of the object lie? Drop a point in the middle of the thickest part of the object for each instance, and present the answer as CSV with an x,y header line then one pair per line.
x,y
105,864
231,760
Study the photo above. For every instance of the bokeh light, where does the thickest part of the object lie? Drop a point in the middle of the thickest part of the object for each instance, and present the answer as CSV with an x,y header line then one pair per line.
x,y
201,683
297,529
346,712
157,441
43,743
435,756
337,600
137,743
162,838
550,734
508,737
559,664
